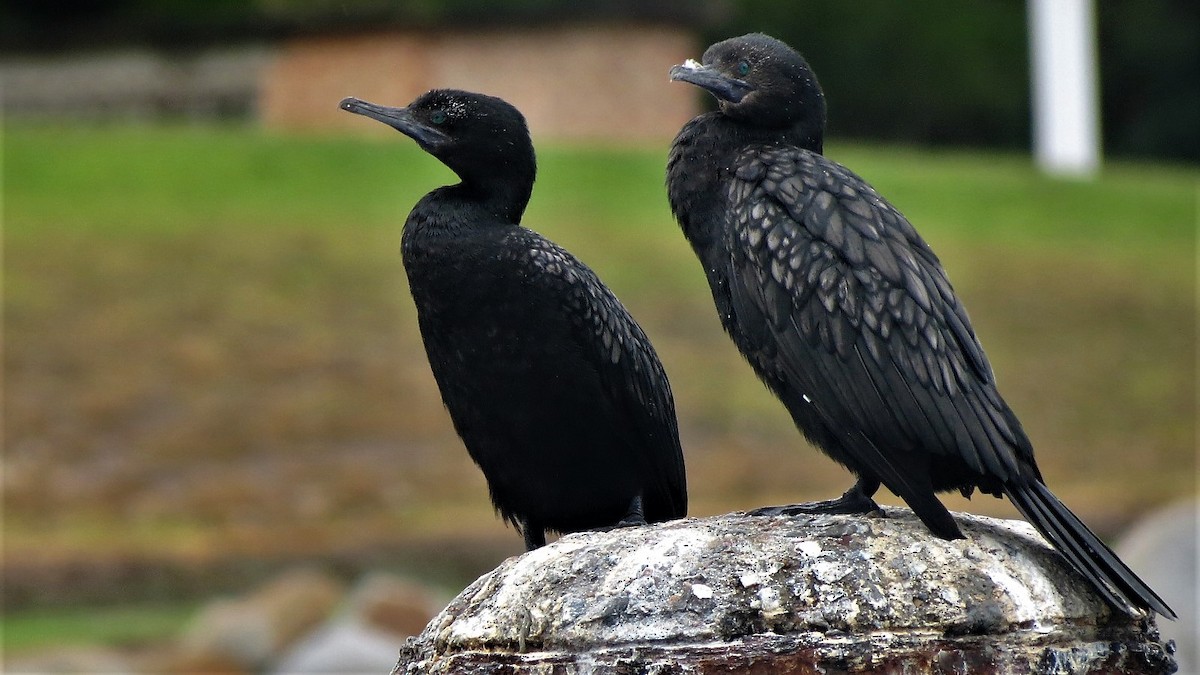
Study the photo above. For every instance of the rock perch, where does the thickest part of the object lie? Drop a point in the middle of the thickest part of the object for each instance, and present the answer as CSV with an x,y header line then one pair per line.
x,y
743,594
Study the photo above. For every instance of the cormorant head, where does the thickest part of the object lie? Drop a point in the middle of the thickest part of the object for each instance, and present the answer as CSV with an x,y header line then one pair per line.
x,y
481,138
762,82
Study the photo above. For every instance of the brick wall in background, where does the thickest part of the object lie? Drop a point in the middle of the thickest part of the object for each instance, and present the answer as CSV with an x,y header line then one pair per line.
x,y
591,83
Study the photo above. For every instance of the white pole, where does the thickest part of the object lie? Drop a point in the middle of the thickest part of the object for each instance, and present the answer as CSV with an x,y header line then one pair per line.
x,y
1066,118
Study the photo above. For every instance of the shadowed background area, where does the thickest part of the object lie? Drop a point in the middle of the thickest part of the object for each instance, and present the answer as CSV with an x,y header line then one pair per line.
x,y
212,366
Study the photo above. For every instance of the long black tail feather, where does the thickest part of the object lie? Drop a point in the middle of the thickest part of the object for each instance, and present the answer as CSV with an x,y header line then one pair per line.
x,y
1111,577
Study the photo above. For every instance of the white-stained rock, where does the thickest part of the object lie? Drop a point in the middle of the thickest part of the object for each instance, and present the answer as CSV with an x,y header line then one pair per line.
x,y
737,593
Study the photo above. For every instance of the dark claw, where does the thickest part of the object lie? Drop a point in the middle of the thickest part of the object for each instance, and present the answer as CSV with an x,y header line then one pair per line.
x,y
855,500
634,517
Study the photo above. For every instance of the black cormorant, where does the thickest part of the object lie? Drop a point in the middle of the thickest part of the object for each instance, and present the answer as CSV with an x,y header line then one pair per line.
x,y
847,315
554,389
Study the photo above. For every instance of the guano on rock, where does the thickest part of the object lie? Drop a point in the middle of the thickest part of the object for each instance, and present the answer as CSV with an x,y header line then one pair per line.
x,y
738,593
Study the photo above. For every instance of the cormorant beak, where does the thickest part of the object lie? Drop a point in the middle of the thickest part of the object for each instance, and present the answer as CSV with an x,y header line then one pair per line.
x,y
400,119
710,78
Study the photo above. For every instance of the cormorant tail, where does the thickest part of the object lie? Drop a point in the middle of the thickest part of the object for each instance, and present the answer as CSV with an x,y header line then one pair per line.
x,y
1111,577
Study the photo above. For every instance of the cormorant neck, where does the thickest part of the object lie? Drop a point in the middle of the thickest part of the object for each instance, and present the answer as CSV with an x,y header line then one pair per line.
x,y
507,199
798,120
739,133
808,139
504,197
804,133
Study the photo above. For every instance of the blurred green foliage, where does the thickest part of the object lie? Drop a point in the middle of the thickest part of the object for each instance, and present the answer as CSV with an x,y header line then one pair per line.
x,y
949,72
937,71
957,72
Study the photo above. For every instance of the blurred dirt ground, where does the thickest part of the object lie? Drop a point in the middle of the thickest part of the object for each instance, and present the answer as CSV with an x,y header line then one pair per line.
x,y
185,409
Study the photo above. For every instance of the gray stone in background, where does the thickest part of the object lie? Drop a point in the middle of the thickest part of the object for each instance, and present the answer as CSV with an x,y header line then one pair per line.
x,y
380,612
244,633
341,646
735,593
1162,548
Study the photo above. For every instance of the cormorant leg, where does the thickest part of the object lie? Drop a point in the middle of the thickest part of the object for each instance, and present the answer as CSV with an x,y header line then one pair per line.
x,y
636,515
535,536
855,500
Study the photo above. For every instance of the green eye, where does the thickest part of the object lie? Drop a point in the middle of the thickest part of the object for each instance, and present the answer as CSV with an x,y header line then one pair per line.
x,y
744,68
437,116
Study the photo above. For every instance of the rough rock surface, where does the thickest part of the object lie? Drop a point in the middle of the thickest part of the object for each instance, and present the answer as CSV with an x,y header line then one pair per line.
x,y
743,594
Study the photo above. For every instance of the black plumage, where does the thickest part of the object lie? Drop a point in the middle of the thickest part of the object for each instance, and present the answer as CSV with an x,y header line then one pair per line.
x,y
554,389
846,314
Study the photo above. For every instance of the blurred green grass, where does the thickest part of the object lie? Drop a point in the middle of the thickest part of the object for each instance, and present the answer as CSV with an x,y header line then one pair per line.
x,y
126,626
210,349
